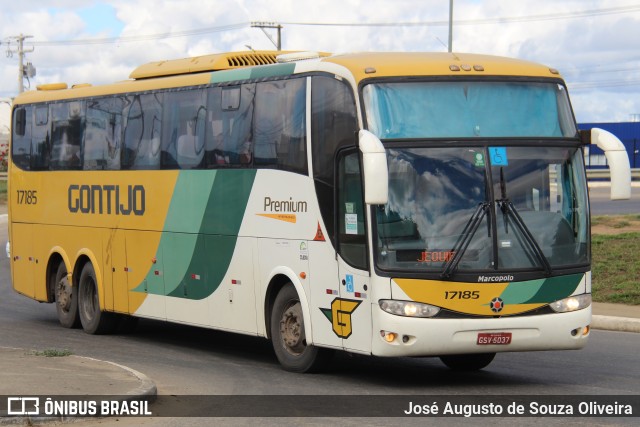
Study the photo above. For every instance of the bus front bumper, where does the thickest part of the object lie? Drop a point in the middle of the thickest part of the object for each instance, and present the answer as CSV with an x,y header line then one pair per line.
x,y
435,337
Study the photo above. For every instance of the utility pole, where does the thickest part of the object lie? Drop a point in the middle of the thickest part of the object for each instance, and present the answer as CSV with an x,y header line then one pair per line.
x,y
450,25
24,70
263,25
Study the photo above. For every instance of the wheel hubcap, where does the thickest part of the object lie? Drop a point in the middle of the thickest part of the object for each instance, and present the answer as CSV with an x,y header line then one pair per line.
x,y
63,292
291,329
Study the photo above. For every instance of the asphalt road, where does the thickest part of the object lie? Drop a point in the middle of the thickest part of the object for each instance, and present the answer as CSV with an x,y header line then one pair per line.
x,y
192,361
602,205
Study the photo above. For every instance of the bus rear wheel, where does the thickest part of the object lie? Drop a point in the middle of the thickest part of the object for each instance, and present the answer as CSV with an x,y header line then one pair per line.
x,y
467,362
66,298
288,335
93,320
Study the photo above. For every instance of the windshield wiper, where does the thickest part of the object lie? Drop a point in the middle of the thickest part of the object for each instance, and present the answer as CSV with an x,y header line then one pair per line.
x,y
465,239
509,210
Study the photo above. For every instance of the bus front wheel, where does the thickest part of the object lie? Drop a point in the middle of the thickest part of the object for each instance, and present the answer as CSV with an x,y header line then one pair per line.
x,y
93,320
288,335
467,362
66,298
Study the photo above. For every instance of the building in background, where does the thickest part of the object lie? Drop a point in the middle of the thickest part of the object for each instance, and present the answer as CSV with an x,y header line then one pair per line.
x,y
627,132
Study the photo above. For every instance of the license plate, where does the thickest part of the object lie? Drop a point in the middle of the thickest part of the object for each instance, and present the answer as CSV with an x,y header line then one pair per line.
x,y
494,338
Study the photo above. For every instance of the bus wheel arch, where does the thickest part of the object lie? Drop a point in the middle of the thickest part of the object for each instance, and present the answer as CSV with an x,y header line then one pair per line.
x,y
276,283
288,331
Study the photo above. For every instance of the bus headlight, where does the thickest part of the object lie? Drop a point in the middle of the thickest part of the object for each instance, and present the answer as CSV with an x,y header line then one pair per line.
x,y
572,303
8,249
408,308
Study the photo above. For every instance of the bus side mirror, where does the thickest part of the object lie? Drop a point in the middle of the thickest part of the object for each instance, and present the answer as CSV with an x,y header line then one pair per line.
x,y
374,165
618,161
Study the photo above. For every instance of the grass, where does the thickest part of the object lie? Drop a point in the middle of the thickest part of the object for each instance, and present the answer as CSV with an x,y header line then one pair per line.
x,y
3,191
53,352
616,262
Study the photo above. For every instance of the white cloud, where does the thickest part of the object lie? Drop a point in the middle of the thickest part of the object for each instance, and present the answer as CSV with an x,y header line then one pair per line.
x,y
597,54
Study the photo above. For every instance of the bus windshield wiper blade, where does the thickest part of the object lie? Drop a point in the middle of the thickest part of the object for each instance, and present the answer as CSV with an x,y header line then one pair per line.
x,y
465,239
509,210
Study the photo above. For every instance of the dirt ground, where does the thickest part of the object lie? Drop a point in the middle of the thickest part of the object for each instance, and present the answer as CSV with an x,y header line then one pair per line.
x,y
615,224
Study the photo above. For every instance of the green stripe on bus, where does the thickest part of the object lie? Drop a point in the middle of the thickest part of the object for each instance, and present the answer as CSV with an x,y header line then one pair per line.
x,y
541,290
260,72
230,75
272,71
555,288
200,233
519,292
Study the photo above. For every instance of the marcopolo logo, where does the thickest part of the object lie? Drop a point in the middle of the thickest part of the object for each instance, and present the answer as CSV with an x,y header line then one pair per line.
x,y
488,279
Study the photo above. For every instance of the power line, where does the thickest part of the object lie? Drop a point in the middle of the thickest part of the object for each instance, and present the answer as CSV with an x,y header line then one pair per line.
x,y
505,20
602,84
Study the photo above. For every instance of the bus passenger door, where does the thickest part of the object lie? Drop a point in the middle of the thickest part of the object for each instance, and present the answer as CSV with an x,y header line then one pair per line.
x,y
353,314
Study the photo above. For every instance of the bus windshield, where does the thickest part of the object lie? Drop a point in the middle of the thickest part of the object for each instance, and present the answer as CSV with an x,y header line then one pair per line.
x,y
468,109
495,208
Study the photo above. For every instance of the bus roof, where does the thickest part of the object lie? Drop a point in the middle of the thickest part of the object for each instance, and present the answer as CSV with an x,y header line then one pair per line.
x,y
388,64
198,70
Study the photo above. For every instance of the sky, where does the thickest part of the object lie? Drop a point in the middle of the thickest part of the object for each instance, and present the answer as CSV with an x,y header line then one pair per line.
x,y
595,44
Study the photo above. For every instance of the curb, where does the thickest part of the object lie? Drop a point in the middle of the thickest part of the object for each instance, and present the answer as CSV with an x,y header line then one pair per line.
x,y
147,390
611,323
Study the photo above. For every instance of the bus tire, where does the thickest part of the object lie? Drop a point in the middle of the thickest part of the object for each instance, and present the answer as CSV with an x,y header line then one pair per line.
x,y
467,362
66,298
93,320
288,336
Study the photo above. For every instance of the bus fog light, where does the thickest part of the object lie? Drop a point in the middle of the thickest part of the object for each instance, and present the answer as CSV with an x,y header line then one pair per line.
x,y
572,303
388,336
408,308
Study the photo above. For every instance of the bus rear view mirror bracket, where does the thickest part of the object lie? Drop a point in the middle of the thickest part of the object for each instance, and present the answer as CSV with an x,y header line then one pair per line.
x,y
618,161
374,165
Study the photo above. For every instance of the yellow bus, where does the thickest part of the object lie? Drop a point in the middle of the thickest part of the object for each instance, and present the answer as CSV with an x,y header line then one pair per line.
x,y
392,204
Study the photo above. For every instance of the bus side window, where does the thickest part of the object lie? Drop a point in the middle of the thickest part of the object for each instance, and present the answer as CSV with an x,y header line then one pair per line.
x,y
103,134
280,125
142,131
40,138
333,126
352,242
67,135
234,116
21,141
184,124
214,141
